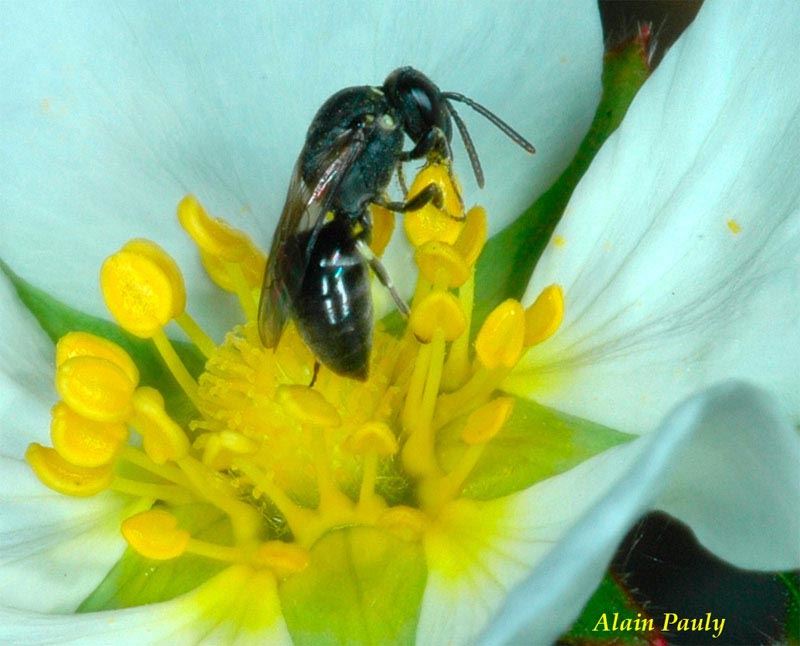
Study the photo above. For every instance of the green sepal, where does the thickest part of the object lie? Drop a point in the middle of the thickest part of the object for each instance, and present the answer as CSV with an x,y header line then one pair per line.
x,y
135,580
363,586
57,318
535,443
791,581
505,266
609,599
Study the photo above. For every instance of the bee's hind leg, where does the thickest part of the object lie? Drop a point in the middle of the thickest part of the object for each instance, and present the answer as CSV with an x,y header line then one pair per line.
x,y
383,275
317,366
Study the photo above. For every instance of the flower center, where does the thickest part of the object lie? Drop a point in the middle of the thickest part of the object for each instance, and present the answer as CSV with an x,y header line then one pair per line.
x,y
283,462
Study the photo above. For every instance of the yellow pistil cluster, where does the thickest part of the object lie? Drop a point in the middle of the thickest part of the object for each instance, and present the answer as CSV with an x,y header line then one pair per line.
x,y
285,462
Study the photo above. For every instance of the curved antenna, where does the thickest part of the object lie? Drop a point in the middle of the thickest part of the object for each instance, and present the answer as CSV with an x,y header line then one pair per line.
x,y
491,116
473,154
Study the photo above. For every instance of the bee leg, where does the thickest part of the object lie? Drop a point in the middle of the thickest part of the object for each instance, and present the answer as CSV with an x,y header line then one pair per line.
x,y
433,140
401,178
317,366
383,275
431,193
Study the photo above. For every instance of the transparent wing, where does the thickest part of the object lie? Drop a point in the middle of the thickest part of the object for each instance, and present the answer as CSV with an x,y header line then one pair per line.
x,y
303,212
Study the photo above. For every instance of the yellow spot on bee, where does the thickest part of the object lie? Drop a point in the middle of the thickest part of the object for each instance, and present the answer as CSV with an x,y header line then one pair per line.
x,y
734,226
559,241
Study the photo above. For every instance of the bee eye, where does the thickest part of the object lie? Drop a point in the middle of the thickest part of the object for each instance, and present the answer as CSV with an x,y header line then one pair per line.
x,y
424,102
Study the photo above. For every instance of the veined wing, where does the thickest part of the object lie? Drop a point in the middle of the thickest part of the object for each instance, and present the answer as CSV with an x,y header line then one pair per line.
x,y
302,218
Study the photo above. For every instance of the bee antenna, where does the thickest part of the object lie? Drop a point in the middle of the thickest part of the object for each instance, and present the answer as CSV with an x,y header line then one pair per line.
x,y
473,154
491,116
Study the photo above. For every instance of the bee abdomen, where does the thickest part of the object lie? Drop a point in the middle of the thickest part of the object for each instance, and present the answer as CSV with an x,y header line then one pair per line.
x,y
334,308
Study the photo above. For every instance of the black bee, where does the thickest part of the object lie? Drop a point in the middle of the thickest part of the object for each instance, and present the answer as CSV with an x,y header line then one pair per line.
x,y
317,272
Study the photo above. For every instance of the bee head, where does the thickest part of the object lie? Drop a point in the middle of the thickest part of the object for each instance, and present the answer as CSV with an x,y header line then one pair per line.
x,y
419,103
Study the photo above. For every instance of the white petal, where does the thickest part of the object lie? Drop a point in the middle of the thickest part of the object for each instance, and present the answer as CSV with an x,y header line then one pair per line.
x,y
44,537
200,616
113,113
662,296
733,432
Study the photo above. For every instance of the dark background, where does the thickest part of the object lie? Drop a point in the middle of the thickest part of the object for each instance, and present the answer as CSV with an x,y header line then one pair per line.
x,y
660,562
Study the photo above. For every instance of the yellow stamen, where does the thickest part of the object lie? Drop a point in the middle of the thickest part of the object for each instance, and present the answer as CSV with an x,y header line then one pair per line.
x,y
543,317
372,437
243,290
223,553
155,535
308,406
282,558
252,265
95,388
499,342
430,223
212,235
84,442
138,293
171,494
211,486
382,228
441,264
175,365
193,330
298,519
438,311
418,452
166,471
457,367
372,440
484,423
83,344
63,477
167,265
472,238
163,440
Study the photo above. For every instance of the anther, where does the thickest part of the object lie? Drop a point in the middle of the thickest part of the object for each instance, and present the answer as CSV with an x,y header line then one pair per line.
x,y
308,406
95,388
252,265
138,293
163,440
167,265
544,316
473,235
438,311
212,235
83,442
155,535
282,558
485,422
441,264
372,437
83,344
63,477
430,223
219,448
499,342
382,228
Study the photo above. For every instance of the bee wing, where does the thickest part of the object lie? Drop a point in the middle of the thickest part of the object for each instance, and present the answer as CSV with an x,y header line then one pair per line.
x,y
304,211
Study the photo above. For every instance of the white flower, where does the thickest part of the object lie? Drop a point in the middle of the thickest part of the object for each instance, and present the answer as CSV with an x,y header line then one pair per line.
x,y
112,119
